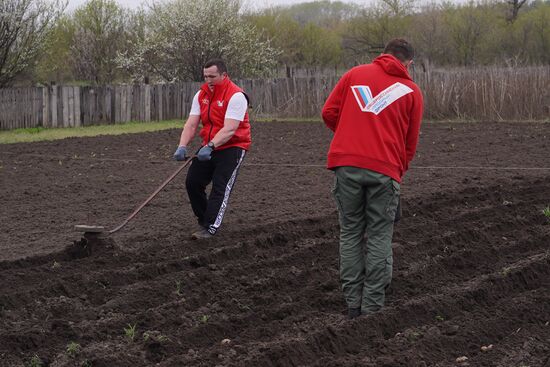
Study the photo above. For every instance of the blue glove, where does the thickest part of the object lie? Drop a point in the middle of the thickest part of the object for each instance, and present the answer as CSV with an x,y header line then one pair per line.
x,y
180,153
205,153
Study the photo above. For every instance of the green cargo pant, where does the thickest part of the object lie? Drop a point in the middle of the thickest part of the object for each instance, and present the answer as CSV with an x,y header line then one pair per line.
x,y
367,201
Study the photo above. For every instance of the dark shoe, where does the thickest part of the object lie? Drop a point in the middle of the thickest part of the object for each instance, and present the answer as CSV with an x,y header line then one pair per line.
x,y
201,234
354,312
370,311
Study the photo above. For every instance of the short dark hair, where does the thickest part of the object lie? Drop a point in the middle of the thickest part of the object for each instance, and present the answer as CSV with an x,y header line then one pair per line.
x,y
400,48
219,63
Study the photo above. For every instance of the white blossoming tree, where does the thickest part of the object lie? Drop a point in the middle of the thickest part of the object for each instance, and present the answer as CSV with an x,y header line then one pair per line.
x,y
181,35
24,25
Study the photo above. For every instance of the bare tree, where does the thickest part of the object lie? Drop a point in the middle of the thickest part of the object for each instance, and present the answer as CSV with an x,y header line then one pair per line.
x,y
100,34
513,10
399,8
367,34
430,36
468,27
24,24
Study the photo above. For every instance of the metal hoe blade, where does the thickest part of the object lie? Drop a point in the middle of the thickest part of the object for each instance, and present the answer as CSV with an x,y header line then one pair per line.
x,y
89,229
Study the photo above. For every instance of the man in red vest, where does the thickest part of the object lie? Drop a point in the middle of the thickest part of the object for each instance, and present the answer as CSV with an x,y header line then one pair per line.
x,y
375,112
221,106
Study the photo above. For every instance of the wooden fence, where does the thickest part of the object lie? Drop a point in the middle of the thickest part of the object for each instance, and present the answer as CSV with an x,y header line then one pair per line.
x,y
71,106
487,94
477,94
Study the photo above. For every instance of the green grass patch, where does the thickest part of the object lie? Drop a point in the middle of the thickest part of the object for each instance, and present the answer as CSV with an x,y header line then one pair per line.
x,y
44,134
35,134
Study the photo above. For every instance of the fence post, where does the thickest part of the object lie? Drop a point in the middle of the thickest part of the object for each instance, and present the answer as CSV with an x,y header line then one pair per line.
x,y
53,104
116,110
147,102
65,106
161,101
3,113
76,97
45,106
129,103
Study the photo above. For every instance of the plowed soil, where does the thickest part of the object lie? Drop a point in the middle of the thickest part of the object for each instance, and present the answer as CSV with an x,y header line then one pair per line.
x,y
472,258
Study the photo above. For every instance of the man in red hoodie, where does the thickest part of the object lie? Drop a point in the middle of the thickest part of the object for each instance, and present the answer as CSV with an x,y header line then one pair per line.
x,y
221,106
375,111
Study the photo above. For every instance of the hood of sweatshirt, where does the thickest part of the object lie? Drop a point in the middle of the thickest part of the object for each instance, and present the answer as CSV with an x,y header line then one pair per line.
x,y
392,66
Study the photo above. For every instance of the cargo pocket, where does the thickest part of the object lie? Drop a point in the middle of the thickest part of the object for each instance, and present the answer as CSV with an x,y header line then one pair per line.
x,y
388,271
336,196
393,200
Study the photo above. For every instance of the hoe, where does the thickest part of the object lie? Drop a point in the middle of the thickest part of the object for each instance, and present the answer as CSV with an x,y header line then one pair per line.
x,y
93,232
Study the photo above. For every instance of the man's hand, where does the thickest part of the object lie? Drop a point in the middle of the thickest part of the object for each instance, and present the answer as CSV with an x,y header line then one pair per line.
x,y
205,153
180,153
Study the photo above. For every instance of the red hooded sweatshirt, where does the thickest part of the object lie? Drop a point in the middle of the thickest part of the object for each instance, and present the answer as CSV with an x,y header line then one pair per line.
x,y
375,111
213,108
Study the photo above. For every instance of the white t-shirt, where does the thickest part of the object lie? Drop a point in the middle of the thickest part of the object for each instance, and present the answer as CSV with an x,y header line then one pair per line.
x,y
236,108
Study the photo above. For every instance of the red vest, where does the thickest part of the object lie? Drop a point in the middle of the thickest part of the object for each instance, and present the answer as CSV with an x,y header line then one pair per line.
x,y
213,107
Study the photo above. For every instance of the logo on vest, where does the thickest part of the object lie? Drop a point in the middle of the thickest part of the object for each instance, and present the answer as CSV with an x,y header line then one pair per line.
x,y
205,101
220,103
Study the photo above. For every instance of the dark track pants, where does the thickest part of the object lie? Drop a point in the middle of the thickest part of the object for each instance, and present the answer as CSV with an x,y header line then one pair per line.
x,y
222,171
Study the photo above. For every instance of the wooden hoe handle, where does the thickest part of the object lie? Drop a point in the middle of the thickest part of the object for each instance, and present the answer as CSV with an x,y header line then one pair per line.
x,y
152,195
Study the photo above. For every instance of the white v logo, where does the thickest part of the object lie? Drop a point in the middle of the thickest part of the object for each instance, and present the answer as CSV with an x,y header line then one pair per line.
x,y
368,103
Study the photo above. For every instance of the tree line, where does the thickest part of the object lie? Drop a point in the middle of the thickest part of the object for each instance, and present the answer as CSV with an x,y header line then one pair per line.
x,y
102,42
